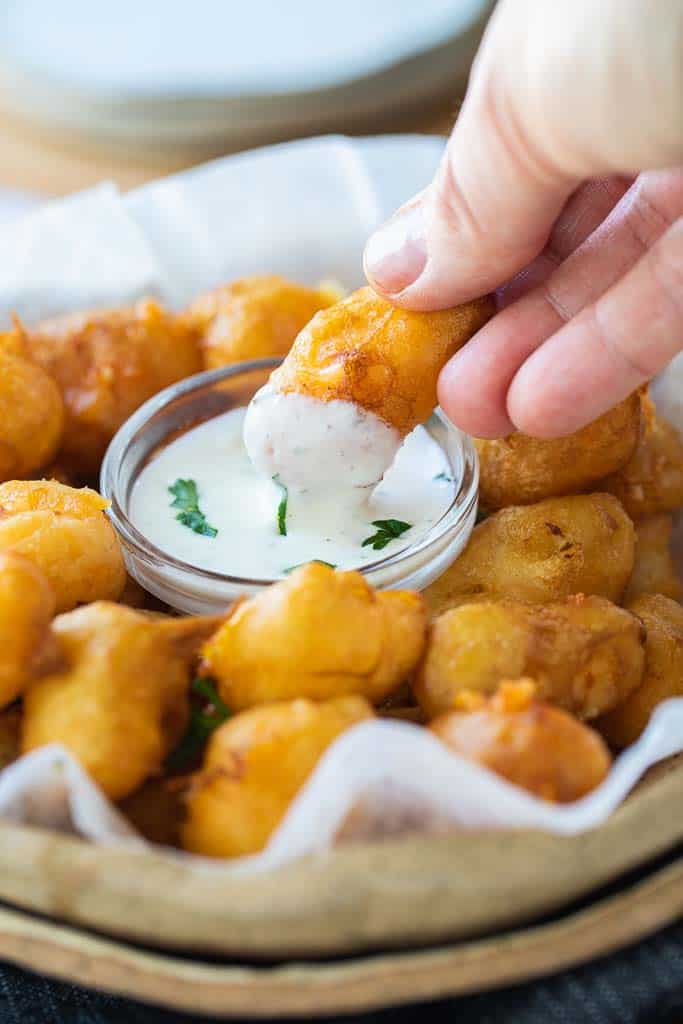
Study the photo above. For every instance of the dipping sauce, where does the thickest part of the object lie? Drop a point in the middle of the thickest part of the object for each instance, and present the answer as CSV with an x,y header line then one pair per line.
x,y
309,443
247,509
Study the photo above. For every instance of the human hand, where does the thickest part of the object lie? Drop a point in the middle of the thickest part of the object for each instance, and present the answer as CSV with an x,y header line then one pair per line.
x,y
562,187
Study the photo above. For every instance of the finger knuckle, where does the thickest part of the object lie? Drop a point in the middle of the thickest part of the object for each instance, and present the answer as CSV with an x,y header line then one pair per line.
x,y
637,361
453,206
666,264
646,215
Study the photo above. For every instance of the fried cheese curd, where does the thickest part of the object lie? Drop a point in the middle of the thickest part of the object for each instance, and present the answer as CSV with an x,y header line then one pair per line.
x,y
359,377
580,544
651,482
585,654
254,766
10,735
156,810
65,532
107,363
386,360
654,571
254,317
56,471
520,470
27,607
119,699
318,633
31,413
540,748
663,675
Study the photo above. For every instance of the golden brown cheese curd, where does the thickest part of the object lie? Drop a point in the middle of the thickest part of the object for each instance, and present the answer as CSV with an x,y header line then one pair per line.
x,y
541,748
135,596
317,634
31,413
581,544
585,654
255,764
663,675
56,471
119,700
254,317
652,480
156,810
520,470
65,532
10,735
106,364
654,571
384,359
27,607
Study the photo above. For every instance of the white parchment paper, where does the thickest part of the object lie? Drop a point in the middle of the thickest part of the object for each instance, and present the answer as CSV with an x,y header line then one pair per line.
x,y
304,210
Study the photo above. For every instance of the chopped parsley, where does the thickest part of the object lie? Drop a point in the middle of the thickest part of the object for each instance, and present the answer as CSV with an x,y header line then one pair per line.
x,y
445,477
207,712
317,561
387,530
282,507
186,498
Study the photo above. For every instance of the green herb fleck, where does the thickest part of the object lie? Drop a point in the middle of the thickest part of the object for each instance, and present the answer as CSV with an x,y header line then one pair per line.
x,y
282,507
387,530
445,477
317,561
207,712
186,498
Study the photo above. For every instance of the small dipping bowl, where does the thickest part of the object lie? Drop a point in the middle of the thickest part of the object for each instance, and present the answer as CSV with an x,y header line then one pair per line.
x,y
202,591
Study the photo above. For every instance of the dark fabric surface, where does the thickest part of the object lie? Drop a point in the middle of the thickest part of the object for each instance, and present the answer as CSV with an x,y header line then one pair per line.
x,y
640,985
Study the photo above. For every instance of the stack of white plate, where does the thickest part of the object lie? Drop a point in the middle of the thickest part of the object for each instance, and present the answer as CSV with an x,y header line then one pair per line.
x,y
198,72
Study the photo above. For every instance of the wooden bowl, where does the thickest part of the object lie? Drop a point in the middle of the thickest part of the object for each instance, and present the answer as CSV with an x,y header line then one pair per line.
x,y
397,893
355,985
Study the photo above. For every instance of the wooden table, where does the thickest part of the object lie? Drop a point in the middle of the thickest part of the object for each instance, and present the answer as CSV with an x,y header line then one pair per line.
x,y
31,161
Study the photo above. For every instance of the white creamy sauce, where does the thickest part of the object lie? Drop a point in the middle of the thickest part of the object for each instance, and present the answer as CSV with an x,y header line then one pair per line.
x,y
327,523
309,443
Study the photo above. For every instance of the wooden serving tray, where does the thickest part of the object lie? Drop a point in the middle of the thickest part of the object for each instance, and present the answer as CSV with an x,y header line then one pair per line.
x,y
310,989
400,893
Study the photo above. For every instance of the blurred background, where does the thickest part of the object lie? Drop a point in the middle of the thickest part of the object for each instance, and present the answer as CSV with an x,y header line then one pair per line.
x,y
132,90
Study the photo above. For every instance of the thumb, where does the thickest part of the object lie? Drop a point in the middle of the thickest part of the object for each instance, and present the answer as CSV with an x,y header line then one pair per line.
x,y
552,86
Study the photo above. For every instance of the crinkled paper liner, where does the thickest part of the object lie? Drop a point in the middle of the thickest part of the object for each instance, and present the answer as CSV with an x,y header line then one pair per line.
x,y
263,211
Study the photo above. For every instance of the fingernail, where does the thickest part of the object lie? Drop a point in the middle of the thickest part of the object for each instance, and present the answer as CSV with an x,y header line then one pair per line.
x,y
396,254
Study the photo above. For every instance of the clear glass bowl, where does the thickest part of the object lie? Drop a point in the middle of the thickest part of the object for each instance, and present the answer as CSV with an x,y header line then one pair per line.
x,y
200,591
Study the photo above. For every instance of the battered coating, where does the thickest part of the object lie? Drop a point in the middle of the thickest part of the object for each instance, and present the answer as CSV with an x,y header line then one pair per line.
x,y
585,654
663,676
65,532
538,747
654,571
652,480
318,634
31,413
254,317
27,606
519,470
383,359
254,766
106,364
581,544
119,700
